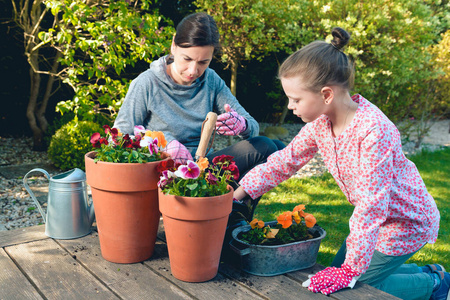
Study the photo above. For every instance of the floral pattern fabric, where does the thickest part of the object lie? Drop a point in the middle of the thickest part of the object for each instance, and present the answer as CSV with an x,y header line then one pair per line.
x,y
394,213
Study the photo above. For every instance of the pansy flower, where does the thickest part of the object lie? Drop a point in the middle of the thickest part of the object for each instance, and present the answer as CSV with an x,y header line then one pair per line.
x,y
285,219
310,220
188,171
157,135
297,217
211,179
139,130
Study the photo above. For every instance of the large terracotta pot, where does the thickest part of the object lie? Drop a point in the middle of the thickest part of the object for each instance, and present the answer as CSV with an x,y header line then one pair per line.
x,y
195,229
125,198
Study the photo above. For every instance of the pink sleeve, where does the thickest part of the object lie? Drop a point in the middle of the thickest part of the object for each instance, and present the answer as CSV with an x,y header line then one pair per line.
x,y
281,165
372,195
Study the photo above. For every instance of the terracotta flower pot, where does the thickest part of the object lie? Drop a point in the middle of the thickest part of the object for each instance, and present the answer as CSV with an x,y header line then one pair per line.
x,y
125,198
195,229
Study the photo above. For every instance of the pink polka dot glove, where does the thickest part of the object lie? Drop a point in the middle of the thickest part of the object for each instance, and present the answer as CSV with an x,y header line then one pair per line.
x,y
333,279
230,123
178,152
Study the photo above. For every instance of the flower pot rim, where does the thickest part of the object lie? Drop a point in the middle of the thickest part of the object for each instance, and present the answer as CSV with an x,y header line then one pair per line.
x,y
229,188
245,228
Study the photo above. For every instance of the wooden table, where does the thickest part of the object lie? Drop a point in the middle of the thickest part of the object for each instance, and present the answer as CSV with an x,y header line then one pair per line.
x,y
34,266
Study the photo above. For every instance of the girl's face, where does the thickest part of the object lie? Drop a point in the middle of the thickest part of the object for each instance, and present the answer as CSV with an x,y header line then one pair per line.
x,y
190,63
304,104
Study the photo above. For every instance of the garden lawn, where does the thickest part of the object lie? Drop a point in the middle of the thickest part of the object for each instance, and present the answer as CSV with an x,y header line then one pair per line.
x,y
327,203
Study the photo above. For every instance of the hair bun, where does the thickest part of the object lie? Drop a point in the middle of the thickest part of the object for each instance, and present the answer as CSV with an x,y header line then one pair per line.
x,y
340,38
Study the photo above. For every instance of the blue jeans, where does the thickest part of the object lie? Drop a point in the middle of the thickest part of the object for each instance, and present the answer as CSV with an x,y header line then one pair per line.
x,y
391,275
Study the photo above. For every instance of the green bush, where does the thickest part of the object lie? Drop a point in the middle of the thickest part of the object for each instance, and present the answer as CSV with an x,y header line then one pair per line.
x,y
71,142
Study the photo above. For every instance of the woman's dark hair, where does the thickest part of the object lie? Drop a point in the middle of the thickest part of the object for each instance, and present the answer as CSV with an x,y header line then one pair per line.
x,y
320,63
198,29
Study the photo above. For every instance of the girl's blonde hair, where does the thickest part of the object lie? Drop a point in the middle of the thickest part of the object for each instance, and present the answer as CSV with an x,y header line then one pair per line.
x,y
320,63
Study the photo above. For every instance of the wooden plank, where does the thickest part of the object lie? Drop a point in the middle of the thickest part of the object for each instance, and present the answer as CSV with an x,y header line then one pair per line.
x,y
13,284
22,235
129,281
55,273
220,287
274,287
360,291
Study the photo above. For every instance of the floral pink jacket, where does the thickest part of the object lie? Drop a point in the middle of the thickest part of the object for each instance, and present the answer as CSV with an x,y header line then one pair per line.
x,y
394,213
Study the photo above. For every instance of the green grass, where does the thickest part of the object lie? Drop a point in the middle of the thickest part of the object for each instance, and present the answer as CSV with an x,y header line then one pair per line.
x,y
327,203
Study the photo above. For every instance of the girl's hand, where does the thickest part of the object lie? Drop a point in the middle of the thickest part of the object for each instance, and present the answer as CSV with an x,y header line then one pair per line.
x,y
230,123
333,279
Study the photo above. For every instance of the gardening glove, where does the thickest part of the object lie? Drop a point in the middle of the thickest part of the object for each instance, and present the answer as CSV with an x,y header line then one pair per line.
x,y
178,152
332,279
230,123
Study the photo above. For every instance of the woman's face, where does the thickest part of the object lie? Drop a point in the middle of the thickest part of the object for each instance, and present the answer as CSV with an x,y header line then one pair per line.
x,y
190,63
304,104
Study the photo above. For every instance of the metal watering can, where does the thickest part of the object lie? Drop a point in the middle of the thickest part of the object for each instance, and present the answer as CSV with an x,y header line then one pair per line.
x,y
68,214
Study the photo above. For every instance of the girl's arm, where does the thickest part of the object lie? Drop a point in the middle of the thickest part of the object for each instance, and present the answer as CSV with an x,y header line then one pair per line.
x,y
282,164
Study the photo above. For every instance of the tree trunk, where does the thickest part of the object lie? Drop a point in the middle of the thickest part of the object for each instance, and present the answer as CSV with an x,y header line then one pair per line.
x,y
284,113
35,79
40,114
234,67
233,82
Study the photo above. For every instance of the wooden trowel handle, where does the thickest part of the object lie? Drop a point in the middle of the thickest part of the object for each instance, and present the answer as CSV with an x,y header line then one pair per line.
x,y
208,128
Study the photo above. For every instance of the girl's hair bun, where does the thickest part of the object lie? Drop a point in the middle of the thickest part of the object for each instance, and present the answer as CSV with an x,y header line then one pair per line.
x,y
340,38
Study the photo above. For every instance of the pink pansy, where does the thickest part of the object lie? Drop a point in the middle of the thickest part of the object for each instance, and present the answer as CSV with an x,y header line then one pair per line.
x,y
146,141
138,130
166,178
153,147
189,171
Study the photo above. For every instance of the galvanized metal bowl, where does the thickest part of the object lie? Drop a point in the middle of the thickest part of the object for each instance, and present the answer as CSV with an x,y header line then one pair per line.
x,y
271,260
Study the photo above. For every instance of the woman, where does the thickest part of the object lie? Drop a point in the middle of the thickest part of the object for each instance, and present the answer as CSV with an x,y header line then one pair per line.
x,y
176,93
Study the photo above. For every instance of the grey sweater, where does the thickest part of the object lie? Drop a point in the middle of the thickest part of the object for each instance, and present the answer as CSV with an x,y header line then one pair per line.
x,y
155,101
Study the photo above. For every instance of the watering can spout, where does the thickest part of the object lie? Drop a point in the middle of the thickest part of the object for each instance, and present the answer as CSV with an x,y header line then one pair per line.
x,y
91,214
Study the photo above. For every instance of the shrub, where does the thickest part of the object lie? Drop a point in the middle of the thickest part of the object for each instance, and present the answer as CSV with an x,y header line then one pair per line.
x,y
71,142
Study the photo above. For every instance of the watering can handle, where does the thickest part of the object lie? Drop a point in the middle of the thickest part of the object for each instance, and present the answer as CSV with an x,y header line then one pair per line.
x,y
31,192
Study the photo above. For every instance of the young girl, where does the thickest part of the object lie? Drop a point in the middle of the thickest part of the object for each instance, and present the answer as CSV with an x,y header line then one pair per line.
x,y
394,215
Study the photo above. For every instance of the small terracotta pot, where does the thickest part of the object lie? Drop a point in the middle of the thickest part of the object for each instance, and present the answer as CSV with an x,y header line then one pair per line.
x,y
126,208
195,230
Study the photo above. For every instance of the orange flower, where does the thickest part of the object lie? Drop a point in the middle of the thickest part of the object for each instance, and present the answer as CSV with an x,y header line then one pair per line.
x,y
260,224
299,207
285,219
254,223
297,217
203,163
310,220
159,135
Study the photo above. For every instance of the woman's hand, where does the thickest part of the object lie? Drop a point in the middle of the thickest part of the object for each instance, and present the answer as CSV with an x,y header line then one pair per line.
x,y
230,123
